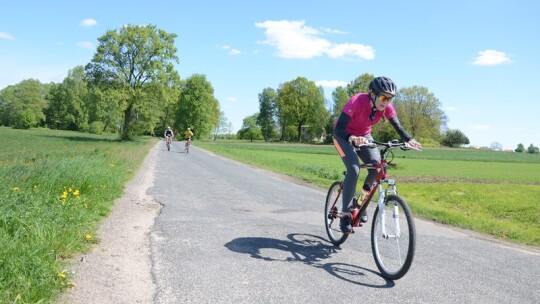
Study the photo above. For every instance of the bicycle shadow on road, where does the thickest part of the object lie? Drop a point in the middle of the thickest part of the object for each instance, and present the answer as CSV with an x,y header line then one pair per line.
x,y
309,249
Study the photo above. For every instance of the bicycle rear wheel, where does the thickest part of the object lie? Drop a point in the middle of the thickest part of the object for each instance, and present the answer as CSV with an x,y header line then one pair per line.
x,y
331,214
393,251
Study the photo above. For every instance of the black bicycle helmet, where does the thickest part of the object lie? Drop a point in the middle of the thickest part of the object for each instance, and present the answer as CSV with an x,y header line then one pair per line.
x,y
383,85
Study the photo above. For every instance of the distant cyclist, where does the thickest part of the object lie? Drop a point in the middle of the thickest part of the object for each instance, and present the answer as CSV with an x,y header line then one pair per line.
x,y
188,134
354,124
169,134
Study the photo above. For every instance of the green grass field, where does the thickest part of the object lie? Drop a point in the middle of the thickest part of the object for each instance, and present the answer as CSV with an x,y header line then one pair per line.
x,y
56,187
491,192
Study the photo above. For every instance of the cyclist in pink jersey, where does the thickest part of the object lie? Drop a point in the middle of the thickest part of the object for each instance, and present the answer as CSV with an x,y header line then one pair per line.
x,y
353,126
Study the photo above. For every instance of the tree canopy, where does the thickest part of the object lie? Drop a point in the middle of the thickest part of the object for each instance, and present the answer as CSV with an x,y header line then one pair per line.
x,y
420,112
137,63
267,113
197,108
301,104
23,105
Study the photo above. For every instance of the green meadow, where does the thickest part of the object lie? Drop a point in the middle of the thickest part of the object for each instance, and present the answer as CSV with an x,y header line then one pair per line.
x,y
56,188
495,193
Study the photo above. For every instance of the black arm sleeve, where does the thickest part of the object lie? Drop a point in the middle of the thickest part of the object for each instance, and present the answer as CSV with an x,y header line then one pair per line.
x,y
341,124
399,128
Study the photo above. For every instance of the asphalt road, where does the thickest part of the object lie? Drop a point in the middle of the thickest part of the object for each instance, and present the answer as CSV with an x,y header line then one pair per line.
x,y
231,233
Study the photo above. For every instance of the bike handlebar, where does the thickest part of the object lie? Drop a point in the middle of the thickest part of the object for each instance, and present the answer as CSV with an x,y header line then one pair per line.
x,y
388,145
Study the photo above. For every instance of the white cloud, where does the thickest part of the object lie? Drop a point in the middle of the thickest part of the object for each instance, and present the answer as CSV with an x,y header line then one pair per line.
x,y
358,50
491,57
5,35
231,51
85,45
88,22
330,83
333,31
293,39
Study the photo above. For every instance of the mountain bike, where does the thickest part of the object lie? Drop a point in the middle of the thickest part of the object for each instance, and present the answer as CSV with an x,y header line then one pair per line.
x,y
187,145
169,141
393,233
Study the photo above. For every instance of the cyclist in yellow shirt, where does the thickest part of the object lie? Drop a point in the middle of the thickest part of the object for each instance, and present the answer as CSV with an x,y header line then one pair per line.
x,y
188,135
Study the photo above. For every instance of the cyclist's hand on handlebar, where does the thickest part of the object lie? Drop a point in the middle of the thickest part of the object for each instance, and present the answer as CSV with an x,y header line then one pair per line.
x,y
358,140
414,144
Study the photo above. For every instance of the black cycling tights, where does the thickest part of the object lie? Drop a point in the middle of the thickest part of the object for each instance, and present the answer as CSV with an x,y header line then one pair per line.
x,y
352,164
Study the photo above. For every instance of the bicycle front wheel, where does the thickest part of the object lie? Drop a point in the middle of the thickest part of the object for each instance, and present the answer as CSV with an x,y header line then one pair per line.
x,y
393,238
332,214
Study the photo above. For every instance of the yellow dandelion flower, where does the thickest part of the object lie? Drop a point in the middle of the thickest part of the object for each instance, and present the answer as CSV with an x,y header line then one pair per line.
x,y
62,275
15,189
76,193
70,190
88,236
64,195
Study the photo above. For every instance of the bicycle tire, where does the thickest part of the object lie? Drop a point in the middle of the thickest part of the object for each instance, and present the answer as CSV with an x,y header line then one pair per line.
x,y
394,254
331,220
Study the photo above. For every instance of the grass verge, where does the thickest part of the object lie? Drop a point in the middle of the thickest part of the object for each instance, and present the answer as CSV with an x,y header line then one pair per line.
x,y
56,187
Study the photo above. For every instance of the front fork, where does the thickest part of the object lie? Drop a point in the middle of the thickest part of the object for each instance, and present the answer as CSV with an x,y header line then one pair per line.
x,y
381,202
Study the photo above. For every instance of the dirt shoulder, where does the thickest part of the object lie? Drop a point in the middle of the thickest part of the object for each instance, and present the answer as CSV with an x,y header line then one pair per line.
x,y
118,269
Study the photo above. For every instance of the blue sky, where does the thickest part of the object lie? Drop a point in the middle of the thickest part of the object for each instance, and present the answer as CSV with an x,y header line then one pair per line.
x,y
479,58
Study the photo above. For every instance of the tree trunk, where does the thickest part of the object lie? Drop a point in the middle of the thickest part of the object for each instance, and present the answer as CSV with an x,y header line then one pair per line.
x,y
126,130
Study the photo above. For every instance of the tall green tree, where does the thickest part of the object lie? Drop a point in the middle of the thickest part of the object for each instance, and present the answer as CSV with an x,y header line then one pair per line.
x,y
267,113
103,109
57,109
359,85
197,107
302,105
23,105
6,105
533,149
340,98
454,138
250,130
137,63
67,108
420,112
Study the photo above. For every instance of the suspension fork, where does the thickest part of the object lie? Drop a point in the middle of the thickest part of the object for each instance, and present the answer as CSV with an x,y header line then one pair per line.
x,y
391,188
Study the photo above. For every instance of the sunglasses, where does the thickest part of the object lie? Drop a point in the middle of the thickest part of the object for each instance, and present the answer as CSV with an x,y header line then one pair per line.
x,y
385,98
